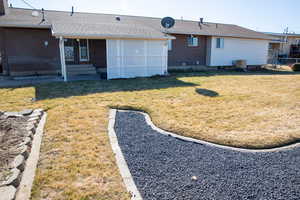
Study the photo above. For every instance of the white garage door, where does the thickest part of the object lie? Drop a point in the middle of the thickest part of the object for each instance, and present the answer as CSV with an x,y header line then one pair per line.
x,y
136,58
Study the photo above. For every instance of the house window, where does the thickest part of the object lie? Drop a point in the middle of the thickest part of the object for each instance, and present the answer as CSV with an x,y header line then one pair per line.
x,y
170,45
220,43
192,41
83,50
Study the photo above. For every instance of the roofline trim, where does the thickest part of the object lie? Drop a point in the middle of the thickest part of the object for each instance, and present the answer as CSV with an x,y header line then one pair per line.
x,y
38,26
232,36
249,38
102,36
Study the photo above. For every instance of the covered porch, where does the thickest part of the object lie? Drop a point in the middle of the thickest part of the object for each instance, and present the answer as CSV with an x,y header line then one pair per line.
x,y
82,57
113,50
113,58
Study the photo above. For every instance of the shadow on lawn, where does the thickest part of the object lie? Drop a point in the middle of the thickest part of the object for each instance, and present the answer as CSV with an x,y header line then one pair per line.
x,y
206,92
233,72
80,88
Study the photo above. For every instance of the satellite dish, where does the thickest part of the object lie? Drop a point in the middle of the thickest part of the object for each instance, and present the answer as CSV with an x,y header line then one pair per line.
x,y
167,22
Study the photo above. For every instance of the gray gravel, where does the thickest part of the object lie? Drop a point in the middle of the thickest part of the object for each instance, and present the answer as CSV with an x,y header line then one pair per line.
x,y
163,167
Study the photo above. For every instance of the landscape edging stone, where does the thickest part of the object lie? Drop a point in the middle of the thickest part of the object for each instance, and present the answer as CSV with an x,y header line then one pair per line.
x,y
120,160
24,189
13,187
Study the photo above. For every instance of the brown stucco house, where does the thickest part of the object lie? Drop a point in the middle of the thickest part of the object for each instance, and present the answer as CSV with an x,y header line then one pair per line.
x,y
40,42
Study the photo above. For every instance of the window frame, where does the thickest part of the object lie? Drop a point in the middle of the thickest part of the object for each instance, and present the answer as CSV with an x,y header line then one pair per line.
x,y
221,43
87,49
193,44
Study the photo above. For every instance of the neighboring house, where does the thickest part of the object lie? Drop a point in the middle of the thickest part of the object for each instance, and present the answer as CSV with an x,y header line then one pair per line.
x,y
284,45
56,42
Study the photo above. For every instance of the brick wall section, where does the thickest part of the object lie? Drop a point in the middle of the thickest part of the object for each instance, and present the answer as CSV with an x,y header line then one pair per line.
x,y
27,54
181,52
24,52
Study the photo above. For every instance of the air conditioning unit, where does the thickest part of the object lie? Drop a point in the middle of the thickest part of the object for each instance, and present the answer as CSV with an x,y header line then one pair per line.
x,y
242,64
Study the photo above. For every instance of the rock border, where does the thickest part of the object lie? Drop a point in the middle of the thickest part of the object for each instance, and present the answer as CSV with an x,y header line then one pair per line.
x,y
24,190
120,160
19,183
164,167
188,139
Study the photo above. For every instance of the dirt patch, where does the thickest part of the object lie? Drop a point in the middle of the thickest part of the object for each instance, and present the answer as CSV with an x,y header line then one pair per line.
x,y
12,134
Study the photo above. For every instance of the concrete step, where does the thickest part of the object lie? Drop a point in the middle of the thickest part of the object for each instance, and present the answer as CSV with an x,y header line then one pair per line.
x,y
83,71
78,74
79,66
80,69
86,69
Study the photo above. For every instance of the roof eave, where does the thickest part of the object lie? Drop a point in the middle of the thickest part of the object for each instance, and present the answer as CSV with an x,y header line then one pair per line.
x,y
40,26
109,36
221,35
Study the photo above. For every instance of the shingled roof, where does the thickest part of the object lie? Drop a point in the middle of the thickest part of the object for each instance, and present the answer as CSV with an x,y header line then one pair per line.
x,y
93,25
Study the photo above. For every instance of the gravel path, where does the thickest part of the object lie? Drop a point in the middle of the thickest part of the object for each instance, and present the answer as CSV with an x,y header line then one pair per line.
x,y
163,167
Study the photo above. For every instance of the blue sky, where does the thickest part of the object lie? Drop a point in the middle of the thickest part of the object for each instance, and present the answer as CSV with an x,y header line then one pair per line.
x,y
260,15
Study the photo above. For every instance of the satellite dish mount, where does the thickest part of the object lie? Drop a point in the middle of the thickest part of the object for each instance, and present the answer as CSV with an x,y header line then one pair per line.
x,y
167,22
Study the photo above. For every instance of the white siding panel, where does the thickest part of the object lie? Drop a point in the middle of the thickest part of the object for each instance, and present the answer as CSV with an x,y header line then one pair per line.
x,y
113,58
136,58
255,52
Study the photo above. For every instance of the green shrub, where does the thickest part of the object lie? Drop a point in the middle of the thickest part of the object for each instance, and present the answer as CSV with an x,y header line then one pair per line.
x,y
296,67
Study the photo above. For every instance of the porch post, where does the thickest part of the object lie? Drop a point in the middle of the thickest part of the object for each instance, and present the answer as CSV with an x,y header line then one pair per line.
x,y
62,58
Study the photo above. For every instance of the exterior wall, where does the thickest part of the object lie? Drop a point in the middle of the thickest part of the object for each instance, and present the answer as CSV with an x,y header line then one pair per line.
x,y
136,58
255,52
182,53
208,50
24,52
98,53
3,60
27,54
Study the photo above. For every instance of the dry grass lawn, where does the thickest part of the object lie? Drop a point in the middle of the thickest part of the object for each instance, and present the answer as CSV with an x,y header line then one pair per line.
x,y
245,110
